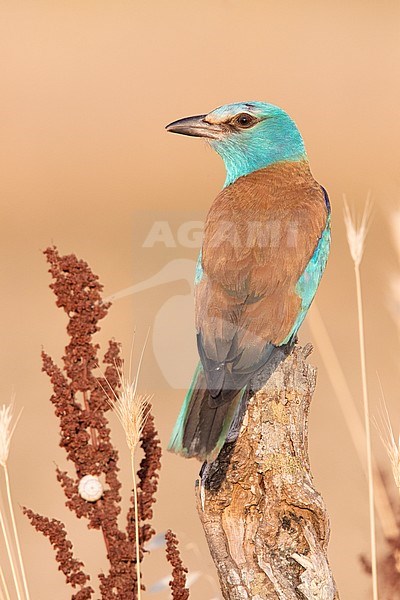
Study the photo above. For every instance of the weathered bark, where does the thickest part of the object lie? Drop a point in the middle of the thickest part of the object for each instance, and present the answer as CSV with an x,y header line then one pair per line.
x,y
266,525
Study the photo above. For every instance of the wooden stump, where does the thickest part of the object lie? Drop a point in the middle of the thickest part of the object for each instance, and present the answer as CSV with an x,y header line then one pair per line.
x,y
266,526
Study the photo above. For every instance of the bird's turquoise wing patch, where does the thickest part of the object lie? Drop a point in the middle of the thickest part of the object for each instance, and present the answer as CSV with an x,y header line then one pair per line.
x,y
199,269
176,441
308,283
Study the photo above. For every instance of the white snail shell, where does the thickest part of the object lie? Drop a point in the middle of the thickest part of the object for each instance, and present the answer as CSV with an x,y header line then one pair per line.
x,y
90,488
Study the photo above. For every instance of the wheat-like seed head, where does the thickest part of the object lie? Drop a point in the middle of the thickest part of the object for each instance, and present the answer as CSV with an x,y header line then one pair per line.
x,y
357,229
6,430
130,407
391,444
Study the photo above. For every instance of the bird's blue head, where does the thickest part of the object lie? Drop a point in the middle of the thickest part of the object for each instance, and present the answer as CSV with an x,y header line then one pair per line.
x,y
247,135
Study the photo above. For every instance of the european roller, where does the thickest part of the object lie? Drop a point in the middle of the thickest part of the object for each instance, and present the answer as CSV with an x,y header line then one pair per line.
x,y
265,248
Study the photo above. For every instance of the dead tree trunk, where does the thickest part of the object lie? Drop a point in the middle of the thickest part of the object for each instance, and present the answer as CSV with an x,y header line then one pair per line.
x,y
266,525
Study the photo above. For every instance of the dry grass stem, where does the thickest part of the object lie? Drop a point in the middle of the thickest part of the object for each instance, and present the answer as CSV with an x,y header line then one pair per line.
x,y
6,432
131,410
395,226
10,556
4,593
351,416
356,234
394,296
15,531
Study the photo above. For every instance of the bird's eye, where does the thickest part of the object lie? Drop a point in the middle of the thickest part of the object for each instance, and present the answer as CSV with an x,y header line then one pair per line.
x,y
244,120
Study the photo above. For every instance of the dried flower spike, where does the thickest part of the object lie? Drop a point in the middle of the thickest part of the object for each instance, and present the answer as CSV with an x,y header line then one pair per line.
x,y
70,566
81,404
178,582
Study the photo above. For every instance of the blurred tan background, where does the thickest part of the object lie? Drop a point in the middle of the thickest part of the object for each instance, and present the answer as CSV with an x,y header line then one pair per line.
x,y
86,90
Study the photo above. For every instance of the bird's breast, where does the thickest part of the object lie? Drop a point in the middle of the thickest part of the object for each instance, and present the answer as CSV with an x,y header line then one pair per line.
x,y
269,221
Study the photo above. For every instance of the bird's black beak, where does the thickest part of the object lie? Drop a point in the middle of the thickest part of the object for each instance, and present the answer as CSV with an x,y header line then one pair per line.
x,y
196,126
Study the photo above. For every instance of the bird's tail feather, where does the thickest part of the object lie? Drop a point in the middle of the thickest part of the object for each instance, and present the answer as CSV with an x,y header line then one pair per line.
x,y
202,428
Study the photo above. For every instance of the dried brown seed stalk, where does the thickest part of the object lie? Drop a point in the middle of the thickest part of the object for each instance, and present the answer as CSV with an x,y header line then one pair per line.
x,y
178,582
70,566
81,405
